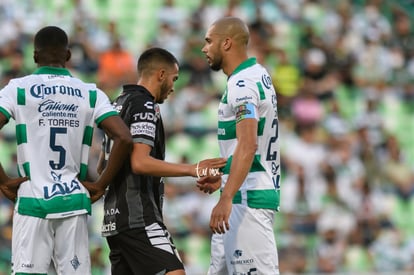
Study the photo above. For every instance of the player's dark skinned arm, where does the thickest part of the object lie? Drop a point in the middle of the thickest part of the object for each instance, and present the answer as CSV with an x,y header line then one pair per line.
x,y
116,129
9,186
143,163
246,132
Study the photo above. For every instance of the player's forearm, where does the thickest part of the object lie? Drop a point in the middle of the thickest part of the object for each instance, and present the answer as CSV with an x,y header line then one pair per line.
x,y
119,153
158,168
3,176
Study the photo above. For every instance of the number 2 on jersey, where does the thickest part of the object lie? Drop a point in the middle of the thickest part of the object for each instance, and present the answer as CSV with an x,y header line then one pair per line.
x,y
272,154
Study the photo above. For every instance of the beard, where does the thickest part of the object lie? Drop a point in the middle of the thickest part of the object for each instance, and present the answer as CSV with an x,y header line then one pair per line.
x,y
164,93
216,64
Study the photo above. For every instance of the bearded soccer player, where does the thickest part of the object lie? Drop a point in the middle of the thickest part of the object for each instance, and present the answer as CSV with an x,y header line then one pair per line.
x,y
242,221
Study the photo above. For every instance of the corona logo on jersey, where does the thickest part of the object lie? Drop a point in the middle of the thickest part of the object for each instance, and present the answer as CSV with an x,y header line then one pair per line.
x,y
42,91
59,187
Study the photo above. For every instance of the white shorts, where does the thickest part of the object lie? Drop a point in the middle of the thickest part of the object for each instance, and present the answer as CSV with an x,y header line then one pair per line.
x,y
249,247
37,242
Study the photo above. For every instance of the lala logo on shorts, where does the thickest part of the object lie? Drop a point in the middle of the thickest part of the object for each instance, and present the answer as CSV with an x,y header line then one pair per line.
x,y
59,187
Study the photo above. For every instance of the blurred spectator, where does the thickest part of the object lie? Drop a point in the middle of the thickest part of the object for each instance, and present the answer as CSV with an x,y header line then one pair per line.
x,y
336,218
286,77
330,251
396,171
116,68
301,203
84,55
307,109
402,207
357,259
391,253
317,79
191,104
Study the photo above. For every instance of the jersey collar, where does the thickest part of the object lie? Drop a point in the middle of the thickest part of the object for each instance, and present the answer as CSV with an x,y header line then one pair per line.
x,y
245,64
52,70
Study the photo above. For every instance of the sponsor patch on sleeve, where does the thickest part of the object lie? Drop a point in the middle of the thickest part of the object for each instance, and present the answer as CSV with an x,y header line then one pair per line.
x,y
247,110
143,128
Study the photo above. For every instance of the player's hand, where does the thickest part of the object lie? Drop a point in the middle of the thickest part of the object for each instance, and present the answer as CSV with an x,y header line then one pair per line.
x,y
219,220
209,184
94,189
209,167
10,187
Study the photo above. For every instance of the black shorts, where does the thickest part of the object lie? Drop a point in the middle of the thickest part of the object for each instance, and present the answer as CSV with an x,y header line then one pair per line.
x,y
143,251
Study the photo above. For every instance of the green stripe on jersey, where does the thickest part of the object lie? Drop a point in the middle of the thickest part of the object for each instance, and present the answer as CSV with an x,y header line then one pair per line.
x,y
227,129
245,64
266,199
41,208
21,133
92,98
87,136
224,97
5,113
261,91
26,169
21,96
105,116
256,165
52,70
83,171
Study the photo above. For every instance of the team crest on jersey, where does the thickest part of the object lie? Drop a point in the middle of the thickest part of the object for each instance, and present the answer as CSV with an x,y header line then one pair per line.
x,y
157,111
75,262
267,81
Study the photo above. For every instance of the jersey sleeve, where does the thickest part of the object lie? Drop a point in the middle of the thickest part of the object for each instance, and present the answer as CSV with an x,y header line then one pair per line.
x,y
8,100
143,121
103,108
243,99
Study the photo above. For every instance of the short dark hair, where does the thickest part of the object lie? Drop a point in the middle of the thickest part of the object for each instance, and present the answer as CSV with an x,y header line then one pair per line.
x,y
51,37
152,58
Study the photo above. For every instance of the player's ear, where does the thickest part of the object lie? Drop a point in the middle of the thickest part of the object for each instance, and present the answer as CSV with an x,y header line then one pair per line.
x,y
68,55
35,56
161,74
227,44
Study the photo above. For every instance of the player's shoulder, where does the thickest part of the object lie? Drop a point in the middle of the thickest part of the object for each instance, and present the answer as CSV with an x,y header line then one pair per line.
x,y
137,98
247,77
138,94
20,80
87,85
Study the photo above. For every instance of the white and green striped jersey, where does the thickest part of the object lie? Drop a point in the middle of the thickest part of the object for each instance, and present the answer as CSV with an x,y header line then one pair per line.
x,y
251,94
55,115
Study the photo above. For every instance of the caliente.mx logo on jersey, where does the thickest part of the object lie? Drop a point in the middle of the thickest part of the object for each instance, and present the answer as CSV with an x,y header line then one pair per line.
x,y
59,187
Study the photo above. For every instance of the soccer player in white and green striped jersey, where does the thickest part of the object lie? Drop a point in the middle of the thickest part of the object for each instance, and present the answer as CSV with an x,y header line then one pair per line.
x,y
55,114
242,221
